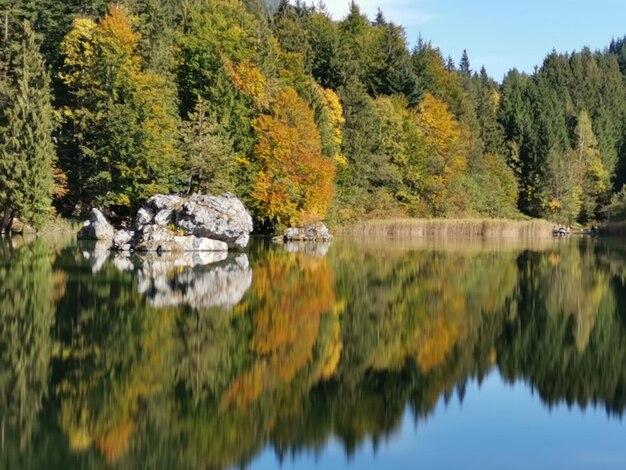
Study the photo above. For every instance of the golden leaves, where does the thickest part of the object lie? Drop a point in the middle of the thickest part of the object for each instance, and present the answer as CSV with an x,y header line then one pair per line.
x,y
294,179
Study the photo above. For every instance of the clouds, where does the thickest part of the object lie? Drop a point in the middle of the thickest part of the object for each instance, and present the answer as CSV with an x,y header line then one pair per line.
x,y
408,13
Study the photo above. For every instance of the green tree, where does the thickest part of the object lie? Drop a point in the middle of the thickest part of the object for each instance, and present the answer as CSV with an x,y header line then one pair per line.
x,y
27,150
207,152
362,183
464,64
516,117
327,51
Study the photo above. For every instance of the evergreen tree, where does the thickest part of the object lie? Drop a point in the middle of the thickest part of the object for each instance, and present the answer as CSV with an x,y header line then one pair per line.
x,y
464,65
487,105
516,117
27,150
327,51
362,183
380,18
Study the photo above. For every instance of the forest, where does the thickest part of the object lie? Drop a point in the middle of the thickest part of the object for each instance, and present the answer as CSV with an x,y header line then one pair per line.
x,y
302,116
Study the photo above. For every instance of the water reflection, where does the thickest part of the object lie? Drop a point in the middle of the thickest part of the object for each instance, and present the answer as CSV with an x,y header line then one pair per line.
x,y
198,280
203,362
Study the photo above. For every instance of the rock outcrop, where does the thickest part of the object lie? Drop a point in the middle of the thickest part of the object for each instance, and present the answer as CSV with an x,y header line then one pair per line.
x,y
316,232
96,228
175,224
160,238
218,217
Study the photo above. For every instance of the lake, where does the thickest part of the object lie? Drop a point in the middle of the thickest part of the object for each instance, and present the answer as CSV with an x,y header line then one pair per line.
x,y
356,354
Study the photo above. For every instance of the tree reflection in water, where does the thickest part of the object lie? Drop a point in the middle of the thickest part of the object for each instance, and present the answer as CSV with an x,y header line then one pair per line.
x,y
153,362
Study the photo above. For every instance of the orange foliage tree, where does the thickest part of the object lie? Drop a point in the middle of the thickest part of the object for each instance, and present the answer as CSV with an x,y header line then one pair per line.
x,y
294,181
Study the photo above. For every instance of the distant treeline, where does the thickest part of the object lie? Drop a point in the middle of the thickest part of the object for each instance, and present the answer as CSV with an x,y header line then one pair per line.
x,y
302,116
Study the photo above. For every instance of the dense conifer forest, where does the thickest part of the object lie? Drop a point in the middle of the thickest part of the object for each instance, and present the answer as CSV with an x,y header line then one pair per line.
x,y
303,116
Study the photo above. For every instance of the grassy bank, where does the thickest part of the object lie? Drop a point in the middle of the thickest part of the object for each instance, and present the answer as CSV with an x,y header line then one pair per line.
x,y
449,228
59,225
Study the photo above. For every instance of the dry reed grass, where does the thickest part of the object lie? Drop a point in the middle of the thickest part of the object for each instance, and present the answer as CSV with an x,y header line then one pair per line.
x,y
449,228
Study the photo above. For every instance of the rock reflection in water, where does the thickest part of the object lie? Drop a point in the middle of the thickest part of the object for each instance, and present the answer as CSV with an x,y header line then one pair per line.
x,y
197,280
97,255
318,249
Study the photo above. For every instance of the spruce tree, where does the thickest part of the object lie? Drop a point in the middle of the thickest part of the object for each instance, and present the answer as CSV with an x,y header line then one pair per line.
x,y
27,152
464,65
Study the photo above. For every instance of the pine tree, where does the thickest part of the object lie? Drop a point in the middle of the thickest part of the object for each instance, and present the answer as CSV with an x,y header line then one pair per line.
x,y
27,151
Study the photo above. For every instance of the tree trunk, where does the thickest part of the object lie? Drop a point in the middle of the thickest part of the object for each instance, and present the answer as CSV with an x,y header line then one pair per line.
x,y
6,222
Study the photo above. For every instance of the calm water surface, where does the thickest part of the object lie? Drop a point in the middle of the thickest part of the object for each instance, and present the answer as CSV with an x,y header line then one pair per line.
x,y
377,354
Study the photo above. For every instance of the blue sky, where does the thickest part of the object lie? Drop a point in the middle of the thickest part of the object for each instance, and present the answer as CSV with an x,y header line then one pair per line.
x,y
502,34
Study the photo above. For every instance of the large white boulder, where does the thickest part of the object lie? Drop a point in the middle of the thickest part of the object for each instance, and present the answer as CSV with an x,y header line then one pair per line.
x,y
96,228
217,217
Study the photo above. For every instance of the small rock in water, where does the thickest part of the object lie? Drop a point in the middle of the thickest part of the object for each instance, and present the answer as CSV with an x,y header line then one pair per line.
x,y
21,228
122,239
311,233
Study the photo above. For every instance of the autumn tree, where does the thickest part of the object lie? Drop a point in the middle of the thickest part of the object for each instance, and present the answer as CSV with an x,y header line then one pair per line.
x,y
120,125
595,177
577,177
444,152
399,144
294,182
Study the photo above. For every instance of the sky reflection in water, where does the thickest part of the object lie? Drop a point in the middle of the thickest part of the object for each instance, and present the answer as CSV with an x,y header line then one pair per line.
x,y
498,426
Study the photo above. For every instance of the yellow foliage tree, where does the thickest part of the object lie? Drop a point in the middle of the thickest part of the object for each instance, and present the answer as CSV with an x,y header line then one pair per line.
x,y
121,119
334,110
445,146
294,181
